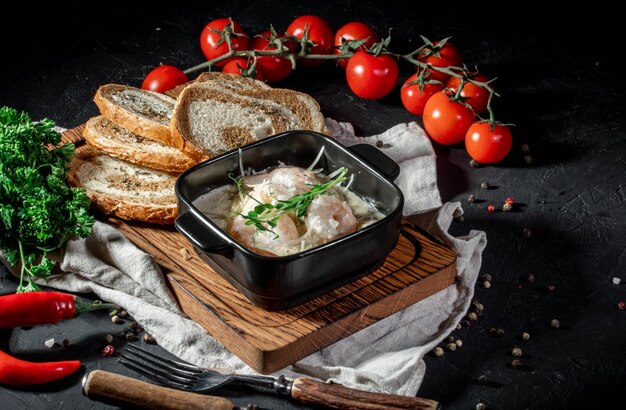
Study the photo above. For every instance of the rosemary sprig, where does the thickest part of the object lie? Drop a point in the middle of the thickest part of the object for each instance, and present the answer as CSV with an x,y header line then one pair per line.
x,y
265,216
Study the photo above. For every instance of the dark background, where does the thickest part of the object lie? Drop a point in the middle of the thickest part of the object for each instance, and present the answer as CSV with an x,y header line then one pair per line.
x,y
560,83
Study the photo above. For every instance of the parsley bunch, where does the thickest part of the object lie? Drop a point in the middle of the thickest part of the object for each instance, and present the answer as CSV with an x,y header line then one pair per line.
x,y
39,211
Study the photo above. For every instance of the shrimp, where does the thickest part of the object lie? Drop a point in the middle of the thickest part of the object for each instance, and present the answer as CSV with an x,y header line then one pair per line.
x,y
282,183
329,218
284,235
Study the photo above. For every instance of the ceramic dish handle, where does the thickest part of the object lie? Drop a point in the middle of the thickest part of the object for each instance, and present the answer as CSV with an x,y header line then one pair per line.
x,y
377,159
199,236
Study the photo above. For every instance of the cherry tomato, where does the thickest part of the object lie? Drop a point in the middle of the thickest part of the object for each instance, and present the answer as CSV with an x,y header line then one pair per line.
x,y
237,66
449,55
371,76
164,78
355,31
320,33
273,68
477,96
413,99
446,121
487,146
209,39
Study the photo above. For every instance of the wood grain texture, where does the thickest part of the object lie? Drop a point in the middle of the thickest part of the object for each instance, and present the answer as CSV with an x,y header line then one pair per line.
x,y
336,396
126,392
418,267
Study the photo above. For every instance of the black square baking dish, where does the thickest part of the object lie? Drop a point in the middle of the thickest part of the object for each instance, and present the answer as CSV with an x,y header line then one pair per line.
x,y
281,282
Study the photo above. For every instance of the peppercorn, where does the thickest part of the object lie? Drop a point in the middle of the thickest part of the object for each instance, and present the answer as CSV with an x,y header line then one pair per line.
x,y
471,199
507,207
123,313
531,278
115,319
621,305
66,343
517,352
472,316
458,342
525,148
491,208
525,336
486,284
451,339
509,201
516,363
478,307
484,185
438,351
550,289
451,347
481,406
109,339
500,332
379,144
458,326
148,338
554,323
482,379
486,276
130,336
109,350
526,232
528,159
492,331
474,163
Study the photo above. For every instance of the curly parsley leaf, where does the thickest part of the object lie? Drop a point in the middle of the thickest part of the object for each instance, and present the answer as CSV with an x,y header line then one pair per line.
x,y
39,211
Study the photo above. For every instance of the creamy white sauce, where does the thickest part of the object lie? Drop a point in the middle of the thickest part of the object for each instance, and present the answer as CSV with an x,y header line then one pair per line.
x,y
334,214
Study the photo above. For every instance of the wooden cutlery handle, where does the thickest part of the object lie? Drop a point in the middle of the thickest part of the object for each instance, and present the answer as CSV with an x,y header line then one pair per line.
x,y
337,396
124,391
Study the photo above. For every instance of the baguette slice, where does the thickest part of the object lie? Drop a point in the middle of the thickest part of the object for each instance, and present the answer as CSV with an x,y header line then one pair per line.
x,y
210,119
145,113
123,189
232,81
116,141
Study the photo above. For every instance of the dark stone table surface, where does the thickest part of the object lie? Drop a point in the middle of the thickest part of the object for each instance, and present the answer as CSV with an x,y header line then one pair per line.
x,y
560,83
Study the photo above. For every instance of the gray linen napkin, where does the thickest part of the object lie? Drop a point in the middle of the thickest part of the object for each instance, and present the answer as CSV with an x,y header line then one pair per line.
x,y
386,356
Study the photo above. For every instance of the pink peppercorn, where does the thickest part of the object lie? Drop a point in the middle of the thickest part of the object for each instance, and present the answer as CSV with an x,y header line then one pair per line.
x,y
509,201
621,305
491,208
109,350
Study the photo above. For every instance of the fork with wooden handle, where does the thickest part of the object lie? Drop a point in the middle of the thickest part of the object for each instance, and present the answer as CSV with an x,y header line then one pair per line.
x,y
185,376
122,391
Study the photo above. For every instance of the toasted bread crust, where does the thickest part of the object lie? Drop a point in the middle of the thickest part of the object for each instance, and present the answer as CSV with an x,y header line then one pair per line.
x,y
133,122
115,205
101,133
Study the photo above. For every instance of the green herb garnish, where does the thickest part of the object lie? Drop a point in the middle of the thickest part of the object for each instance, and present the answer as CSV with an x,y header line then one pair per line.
x,y
266,216
39,211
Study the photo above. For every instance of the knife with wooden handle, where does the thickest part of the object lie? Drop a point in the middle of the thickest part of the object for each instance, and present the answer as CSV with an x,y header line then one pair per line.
x,y
118,390
336,396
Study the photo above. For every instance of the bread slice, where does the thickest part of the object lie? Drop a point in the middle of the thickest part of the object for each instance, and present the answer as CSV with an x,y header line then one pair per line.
x,y
123,189
145,113
230,81
209,118
114,140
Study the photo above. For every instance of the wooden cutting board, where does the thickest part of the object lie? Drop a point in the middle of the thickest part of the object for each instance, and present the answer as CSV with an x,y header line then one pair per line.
x,y
418,267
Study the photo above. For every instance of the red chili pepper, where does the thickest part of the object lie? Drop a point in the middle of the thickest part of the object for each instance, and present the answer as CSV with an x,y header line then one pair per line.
x,y
36,308
16,372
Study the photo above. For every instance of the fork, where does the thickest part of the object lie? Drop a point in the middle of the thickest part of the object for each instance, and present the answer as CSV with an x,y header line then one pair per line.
x,y
185,376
